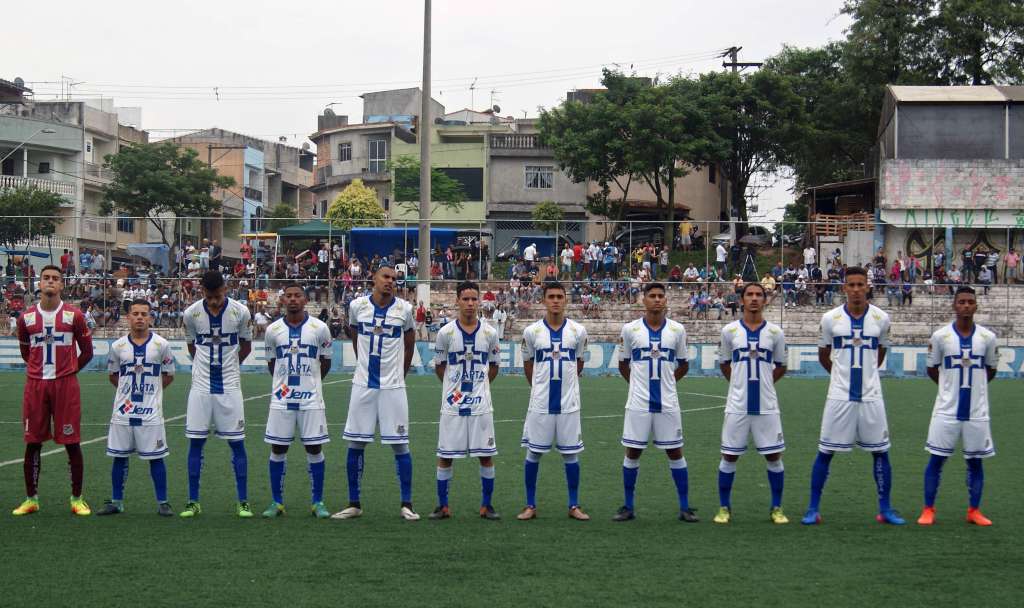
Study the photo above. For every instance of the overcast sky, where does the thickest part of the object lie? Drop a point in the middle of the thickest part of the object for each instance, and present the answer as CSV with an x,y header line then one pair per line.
x,y
276,65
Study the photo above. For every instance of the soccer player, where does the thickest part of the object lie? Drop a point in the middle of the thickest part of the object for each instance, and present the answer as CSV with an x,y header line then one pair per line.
x,y
652,359
298,349
466,362
962,360
48,334
384,339
553,350
219,339
752,357
854,339
141,367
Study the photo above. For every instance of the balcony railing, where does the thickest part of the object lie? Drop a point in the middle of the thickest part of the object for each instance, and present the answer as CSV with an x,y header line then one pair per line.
x,y
67,189
514,141
96,172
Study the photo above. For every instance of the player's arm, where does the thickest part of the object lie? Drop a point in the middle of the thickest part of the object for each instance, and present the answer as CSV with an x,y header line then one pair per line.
x,y
113,377
683,364
624,368
581,351
166,379
410,348
270,365
883,343
492,371
681,369
190,335
440,355
778,373
23,338
825,358
625,352
325,366
353,334
528,370
526,351
725,364
933,373
881,354
83,337
726,367
191,346
244,335
244,349
992,356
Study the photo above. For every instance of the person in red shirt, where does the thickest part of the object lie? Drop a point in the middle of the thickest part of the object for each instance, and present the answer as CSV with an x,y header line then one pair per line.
x,y
55,344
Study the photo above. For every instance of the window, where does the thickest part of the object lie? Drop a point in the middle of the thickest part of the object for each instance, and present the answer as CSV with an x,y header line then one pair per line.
x,y
125,224
344,151
323,208
540,176
712,173
378,155
387,203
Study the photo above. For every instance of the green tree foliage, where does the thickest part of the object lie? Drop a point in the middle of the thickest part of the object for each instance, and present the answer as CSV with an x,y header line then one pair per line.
x,y
281,216
444,190
153,180
547,215
761,117
44,206
356,205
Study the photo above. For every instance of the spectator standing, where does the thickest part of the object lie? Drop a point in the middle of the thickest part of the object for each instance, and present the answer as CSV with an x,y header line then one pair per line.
x,y
1012,262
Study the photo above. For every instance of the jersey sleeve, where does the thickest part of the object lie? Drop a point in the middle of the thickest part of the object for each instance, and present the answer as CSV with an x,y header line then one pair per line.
x,y
527,344
244,323
724,348
682,354
113,361
779,349
582,343
22,329
352,320
325,343
825,341
190,327
992,353
441,348
166,359
625,346
883,332
494,347
935,350
408,323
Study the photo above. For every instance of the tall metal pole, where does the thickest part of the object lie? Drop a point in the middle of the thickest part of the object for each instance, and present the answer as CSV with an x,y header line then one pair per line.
x,y
423,132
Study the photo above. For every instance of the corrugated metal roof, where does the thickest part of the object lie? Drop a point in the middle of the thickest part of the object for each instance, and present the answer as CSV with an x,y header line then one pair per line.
x,y
952,94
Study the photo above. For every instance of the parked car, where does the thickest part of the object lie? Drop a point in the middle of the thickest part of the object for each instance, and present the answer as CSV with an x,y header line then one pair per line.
x,y
758,236
545,246
648,232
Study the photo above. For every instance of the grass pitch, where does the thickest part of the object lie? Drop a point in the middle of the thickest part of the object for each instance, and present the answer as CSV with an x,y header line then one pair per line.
x,y
140,559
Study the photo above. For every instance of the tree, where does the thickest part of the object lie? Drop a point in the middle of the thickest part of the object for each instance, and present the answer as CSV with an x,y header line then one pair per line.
x,y
281,216
43,207
153,180
980,41
444,190
761,116
547,215
356,205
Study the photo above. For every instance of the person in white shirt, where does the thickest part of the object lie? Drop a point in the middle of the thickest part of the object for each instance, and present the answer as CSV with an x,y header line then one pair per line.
x,y
854,340
810,256
962,359
553,350
721,255
466,362
567,261
752,357
652,359
530,255
500,317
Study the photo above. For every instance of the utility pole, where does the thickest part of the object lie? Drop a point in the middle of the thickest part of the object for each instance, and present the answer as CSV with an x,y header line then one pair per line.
x,y
423,133
736,198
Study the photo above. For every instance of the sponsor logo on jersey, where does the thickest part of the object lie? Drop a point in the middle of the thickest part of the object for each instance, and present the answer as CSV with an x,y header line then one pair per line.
x,y
130,409
68,316
285,392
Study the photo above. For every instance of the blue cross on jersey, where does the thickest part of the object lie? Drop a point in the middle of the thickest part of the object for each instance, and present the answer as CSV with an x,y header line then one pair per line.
x,y
217,341
967,363
294,353
753,354
48,339
139,370
378,330
654,355
856,343
556,355
468,358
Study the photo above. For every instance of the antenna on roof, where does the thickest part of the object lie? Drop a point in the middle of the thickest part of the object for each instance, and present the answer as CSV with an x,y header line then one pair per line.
x,y
472,90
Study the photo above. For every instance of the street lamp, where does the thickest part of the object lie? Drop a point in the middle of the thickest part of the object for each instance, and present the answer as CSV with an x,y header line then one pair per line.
x,y
48,131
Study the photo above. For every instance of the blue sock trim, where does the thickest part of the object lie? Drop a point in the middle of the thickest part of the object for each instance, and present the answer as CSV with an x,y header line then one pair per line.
x,y
316,480
240,463
776,481
883,479
725,488
975,481
932,479
681,477
572,480
158,471
819,474
531,471
629,477
195,467
118,477
403,469
354,470
486,491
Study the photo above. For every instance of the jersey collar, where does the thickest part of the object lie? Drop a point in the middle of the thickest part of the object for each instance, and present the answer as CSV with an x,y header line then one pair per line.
x,y
220,315
962,337
144,344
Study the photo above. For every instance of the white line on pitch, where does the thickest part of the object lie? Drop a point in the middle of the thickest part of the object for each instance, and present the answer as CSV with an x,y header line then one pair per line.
x,y
171,419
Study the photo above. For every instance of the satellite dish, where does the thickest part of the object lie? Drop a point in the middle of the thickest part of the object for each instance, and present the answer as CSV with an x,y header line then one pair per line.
x,y
282,139
496,109
19,82
328,112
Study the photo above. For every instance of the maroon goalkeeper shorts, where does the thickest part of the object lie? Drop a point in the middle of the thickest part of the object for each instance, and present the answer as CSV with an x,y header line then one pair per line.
x,y
58,400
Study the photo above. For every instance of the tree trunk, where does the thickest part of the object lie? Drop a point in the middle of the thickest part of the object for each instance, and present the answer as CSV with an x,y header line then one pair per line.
x,y
671,215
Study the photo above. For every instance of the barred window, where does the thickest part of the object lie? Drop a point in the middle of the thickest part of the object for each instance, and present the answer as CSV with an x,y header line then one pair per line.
x,y
540,176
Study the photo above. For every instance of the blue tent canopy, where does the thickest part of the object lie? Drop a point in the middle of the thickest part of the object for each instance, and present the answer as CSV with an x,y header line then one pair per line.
x,y
38,254
156,253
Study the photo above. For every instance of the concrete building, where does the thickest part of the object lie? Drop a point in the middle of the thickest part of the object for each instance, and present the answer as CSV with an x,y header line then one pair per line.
x,y
59,146
950,170
265,173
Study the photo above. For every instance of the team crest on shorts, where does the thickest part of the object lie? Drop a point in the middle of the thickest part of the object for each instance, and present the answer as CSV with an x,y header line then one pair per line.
x,y
490,442
401,429
679,432
322,429
779,438
159,443
68,429
885,436
241,425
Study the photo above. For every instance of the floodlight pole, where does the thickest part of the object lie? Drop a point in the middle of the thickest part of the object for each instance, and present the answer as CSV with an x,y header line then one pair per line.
x,y
423,133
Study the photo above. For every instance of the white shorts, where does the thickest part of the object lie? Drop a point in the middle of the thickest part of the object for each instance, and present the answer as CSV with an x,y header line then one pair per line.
x,y
541,431
367,406
666,427
847,422
766,429
225,411
281,426
149,442
976,434
466,436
